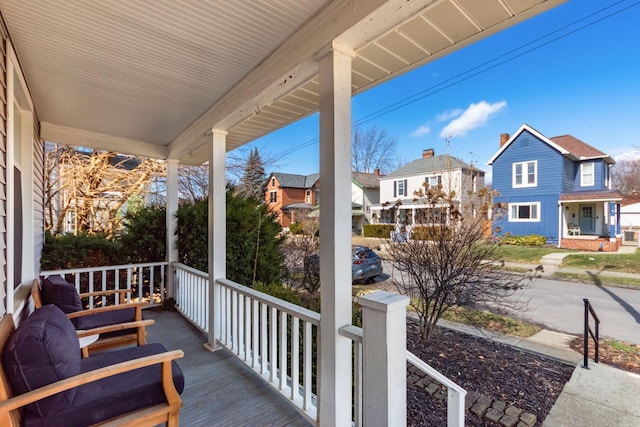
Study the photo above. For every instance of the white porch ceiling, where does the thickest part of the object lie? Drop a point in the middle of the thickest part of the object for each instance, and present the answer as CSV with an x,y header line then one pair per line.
x,y
153,77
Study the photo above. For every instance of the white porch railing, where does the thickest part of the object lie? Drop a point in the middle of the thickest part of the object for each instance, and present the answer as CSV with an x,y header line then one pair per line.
x,y
192,295
257,328
455,393
354,333
273,337
147,280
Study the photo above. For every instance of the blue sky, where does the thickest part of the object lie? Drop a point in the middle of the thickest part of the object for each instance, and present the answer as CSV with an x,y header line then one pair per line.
x,y
572,70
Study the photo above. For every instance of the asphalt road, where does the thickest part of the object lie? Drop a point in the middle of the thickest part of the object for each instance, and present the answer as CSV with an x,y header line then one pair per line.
x,y
557,305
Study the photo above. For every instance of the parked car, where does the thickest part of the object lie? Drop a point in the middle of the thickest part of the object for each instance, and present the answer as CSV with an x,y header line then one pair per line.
x,y
366,264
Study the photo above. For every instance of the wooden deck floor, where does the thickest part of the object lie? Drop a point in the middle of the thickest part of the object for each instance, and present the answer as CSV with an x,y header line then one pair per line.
x,y
219,389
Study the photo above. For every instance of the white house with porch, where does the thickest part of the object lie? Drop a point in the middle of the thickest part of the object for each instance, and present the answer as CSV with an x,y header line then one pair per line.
x,y
398,201
188,82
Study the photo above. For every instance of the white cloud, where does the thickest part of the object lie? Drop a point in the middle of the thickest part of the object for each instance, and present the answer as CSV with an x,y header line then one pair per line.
x,y
449,114
421,131
473,117
628,155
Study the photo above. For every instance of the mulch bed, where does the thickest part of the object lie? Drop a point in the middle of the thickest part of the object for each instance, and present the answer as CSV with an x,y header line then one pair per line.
x,y
483,367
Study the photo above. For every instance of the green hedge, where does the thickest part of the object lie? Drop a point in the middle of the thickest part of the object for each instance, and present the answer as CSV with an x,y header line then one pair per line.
x,y
378,230
246,218
69,251
531,240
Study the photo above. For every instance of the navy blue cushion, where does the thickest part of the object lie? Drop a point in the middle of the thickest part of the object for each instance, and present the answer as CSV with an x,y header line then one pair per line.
x,y
44,349
106,318
57,291
114,396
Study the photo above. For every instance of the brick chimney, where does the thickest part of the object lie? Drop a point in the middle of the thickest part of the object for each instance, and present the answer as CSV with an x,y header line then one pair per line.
x,y
376,171
427,153
504,137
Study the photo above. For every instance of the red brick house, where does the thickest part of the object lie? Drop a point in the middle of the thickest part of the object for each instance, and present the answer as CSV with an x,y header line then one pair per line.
x,y
291,196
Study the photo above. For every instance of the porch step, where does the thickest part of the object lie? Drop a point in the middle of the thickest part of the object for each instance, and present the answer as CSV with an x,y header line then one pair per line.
x,y
553,259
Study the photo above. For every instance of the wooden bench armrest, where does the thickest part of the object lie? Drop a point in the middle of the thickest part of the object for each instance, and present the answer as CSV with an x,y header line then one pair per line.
x,y
59,386
115,327
105,293
88,312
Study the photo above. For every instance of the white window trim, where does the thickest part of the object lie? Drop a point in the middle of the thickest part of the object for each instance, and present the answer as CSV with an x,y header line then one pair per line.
x,y
403,191
524,174
593,174
512,219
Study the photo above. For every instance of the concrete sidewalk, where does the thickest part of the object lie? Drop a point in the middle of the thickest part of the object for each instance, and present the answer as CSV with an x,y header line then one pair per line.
x,y
601,396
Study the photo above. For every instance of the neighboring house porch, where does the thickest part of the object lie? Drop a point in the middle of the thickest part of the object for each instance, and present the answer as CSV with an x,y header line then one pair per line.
x,y
589,219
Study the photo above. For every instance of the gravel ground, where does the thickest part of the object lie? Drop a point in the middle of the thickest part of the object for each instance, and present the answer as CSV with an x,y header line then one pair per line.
x,y
529,382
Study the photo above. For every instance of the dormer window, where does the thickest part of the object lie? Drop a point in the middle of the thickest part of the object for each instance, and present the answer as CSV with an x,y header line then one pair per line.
x,y
525,174
587,174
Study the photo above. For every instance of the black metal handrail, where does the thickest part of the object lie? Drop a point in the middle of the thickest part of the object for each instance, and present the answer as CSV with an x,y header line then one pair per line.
x,y
588,308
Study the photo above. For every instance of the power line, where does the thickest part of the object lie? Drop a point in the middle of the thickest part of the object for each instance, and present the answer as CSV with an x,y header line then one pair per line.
x,y
478,69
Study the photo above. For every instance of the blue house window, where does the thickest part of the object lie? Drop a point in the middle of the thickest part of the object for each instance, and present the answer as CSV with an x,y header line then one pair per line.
x,y
524,212
525,174
586,174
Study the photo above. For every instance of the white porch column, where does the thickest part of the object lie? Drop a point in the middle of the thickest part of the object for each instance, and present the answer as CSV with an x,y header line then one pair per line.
x,y
172,224
384,332
335,234
217,235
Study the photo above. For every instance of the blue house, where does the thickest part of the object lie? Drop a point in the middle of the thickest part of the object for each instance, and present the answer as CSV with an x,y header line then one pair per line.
x,y
557,187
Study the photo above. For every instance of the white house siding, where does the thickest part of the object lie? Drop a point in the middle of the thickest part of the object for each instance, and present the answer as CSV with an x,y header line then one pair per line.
x,y
630,221
3,170
450,179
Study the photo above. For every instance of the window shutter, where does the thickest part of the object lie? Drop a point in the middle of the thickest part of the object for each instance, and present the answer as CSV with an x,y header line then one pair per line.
x,y
406,190
395,187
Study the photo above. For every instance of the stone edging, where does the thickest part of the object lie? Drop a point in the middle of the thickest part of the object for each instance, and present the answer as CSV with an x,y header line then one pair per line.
x,y
476,404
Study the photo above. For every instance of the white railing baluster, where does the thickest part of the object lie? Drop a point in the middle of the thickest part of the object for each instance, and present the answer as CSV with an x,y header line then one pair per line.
x,y
308,362
140,284
151,280
283,350
255,335
295,357
247,330
116,280
263,338
239,339
227,316
104,287
91,289
273,344
357,385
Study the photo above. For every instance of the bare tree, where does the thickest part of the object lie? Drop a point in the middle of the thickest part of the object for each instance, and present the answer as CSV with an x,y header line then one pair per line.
x,y
193,182
93,185
625,176
372,149
449,261
301,263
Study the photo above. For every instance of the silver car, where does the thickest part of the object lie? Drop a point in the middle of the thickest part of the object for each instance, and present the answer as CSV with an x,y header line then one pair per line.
x,y
365,265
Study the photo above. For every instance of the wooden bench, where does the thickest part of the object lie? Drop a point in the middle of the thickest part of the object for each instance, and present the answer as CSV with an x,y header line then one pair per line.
x,y
167,412
111,335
